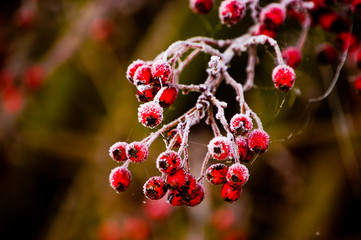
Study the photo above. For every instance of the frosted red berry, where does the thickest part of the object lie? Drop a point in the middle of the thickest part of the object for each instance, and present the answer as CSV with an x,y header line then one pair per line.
x,y
258,141
161,72
216,173
174,198
147,95
243,151
150,114
132,68
237,174
219,148
326,54
137,152
283,77
357,85
291,56
176,179
155,188
120,179
174,134
356,6
196,196
231,11
117,151
201,6
142,75
189,186
273,15
263,29
230,193
168,96
168,162
241,124
346,40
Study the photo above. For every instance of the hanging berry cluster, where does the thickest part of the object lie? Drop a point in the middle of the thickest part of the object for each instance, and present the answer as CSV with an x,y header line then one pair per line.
x,y
242,138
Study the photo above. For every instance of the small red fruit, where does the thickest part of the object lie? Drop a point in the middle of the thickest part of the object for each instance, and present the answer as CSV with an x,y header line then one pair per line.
x,y
137,152
291,56
132,68
172,134
263,29
230,193
174,198
245,155
273,15
219,148
155,188
168,97
326,54
346,40
231,11
258,141
150,114
34,76
161,72
283,77
237,174
201,6
117,151
147,95
142,75
168,162
177,179
357,85
196,197
241,124
216,173
120,179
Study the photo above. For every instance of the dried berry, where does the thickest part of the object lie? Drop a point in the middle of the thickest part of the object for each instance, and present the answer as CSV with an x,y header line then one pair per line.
x,y
120,179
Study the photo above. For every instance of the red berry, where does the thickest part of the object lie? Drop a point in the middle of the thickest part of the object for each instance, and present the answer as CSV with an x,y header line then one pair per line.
x,y
230,193
237,174
132,68
196,197
219,148
161,71
168,97
174,198
157,210
216,173
357,85
34,76
150,114
243,151
283,77
177,179
120,179
241,124
331,21
117,151
231,11
137,152
142,75
12,100
171,134
190,185
273,15
258,141
326,54
356,6
201,6
147,94
291,56
346,40
155,188
223,218
358,59
263,29
168,162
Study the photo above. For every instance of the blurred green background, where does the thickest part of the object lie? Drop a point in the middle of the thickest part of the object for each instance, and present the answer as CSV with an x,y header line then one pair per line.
x,y
55,131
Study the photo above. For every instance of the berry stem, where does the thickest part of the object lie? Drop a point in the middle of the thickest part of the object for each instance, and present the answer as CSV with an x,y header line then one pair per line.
x,y
203,168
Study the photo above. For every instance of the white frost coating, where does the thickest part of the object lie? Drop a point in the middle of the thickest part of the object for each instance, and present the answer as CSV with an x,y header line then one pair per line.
x,y
150,114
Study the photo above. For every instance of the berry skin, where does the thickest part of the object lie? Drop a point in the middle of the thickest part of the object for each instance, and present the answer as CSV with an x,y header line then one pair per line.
x,y
117,151
263,29
258,141
187,189
155,188
168,162
171,134
230,193
147,94
34,76
201,6
283,77
245,155
342,42
150,114
168,97
219,148
241,124
137,152
273,15
142,75
196,197
357,85
231,11
120,179
177,179
174,198
291,56
237,175
132,68
331,21
161,72
358,59
216,173
326,54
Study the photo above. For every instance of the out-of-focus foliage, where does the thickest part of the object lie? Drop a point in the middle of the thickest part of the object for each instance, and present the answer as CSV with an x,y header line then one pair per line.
x,y
65,100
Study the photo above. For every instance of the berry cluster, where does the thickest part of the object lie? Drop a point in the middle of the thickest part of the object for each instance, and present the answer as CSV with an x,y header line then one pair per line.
x,y
240,139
